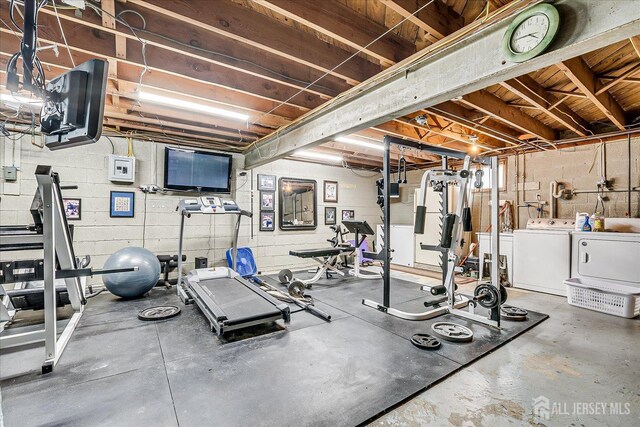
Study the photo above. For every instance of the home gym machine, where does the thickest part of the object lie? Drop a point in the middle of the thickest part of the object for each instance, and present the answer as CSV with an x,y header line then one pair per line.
x,y
50,233
227,300
490,295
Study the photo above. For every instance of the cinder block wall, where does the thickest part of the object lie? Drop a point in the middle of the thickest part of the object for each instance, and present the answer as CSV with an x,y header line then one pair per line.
x,y
578,168
156,224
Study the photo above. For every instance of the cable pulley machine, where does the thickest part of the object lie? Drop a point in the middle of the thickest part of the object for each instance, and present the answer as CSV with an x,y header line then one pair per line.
x,y
490,295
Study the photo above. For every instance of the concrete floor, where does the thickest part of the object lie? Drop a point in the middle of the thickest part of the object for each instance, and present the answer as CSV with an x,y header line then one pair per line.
x,y
578,359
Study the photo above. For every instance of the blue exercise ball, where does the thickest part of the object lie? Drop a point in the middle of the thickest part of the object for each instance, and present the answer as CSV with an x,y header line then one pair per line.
x,y
132,284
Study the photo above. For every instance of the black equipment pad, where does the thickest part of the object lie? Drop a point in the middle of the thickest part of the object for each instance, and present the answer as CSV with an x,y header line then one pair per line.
x,y
315,253
361,227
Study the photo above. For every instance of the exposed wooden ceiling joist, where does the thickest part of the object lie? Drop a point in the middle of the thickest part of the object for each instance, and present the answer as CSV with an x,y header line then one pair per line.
x,y
457,114
528,89
246,26
583,77
344,24
490,104
436,18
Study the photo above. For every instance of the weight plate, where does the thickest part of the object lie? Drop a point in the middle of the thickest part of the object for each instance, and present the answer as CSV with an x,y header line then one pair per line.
x,y
425,341
486,295
160,312
503,294
296,289
508,312
452,331
285,276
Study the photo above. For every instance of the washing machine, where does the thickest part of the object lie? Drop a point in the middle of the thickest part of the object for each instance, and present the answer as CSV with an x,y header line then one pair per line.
x,y
542,255
611,257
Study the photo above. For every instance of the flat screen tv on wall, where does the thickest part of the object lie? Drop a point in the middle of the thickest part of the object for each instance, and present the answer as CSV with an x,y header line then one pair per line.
x,y
202,171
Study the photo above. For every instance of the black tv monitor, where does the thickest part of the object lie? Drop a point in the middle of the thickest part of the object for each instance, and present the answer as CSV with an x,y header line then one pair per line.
x,y
73,109
191,170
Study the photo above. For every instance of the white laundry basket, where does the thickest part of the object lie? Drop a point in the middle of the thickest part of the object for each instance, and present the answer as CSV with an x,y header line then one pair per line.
x,y
606,297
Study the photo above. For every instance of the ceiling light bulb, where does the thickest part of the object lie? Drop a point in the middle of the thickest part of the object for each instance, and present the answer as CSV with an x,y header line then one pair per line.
x,y
360,143
318,156
188,105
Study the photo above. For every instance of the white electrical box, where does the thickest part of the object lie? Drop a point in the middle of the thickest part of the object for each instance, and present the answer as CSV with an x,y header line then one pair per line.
x,y
122,168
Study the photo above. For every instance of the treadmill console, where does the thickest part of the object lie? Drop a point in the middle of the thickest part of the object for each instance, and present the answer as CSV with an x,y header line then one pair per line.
x,y
208,205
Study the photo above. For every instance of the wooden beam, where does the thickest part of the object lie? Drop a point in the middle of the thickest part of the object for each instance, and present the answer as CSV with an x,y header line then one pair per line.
x,y
249,27
633,69
345,25
91,42
175,86
490,104
484,141
436,18
529,90
198,45
583,77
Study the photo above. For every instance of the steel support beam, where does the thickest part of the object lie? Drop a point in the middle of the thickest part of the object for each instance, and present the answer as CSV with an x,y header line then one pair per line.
x,y
473,63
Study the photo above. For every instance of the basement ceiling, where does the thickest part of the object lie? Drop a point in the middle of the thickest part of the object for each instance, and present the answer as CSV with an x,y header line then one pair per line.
x,y
275,60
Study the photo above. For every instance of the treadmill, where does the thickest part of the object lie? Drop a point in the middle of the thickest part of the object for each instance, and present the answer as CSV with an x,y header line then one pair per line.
x,y
226,299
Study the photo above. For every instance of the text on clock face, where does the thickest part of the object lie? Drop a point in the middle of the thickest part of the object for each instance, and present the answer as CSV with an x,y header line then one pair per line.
x,y
529,33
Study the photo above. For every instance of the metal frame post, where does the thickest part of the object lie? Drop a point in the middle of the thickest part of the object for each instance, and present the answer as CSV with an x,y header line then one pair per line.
x,y
48,230
495,234
386,220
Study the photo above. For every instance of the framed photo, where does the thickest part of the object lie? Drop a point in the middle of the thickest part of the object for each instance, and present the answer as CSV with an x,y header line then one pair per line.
x,y
329,215
267,221
267,200
122,204
266,182
331,191
72,209
348,214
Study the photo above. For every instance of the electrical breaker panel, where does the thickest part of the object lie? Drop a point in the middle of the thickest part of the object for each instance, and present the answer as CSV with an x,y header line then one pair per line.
x,y
122,168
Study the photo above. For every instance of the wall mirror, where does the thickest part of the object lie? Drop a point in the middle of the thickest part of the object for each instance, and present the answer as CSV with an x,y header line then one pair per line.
x,y
297,204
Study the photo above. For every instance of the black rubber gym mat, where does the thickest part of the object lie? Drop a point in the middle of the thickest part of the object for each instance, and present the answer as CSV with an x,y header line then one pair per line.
x,y
118,370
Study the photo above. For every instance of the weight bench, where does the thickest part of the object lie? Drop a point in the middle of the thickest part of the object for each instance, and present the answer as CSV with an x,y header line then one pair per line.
x,y
326,257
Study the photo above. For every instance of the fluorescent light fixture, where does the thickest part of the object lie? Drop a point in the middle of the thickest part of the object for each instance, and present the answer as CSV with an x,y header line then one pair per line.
x,y
318,156
360,143
188,105
14,100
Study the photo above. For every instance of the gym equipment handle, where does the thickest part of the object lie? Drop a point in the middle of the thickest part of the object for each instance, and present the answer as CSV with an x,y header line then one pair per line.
x,y
447,230
316,311
421,214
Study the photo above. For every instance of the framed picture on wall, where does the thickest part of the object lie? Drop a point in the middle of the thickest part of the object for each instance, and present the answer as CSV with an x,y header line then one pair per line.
x,y
348,214
267,200
72,209
329,215
331,191
267,221
266,182
122,204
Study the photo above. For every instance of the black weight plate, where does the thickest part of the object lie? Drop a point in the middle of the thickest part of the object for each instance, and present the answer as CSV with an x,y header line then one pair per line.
x,y
285,276
160,312
452,331
503,294
508,312
425,341
296,289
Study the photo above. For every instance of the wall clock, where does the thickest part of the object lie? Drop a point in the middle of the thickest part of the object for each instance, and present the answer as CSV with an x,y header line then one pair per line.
x,y
531,33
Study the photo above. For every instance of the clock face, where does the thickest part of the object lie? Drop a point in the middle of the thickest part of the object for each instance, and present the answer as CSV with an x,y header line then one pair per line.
x,y
529,33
